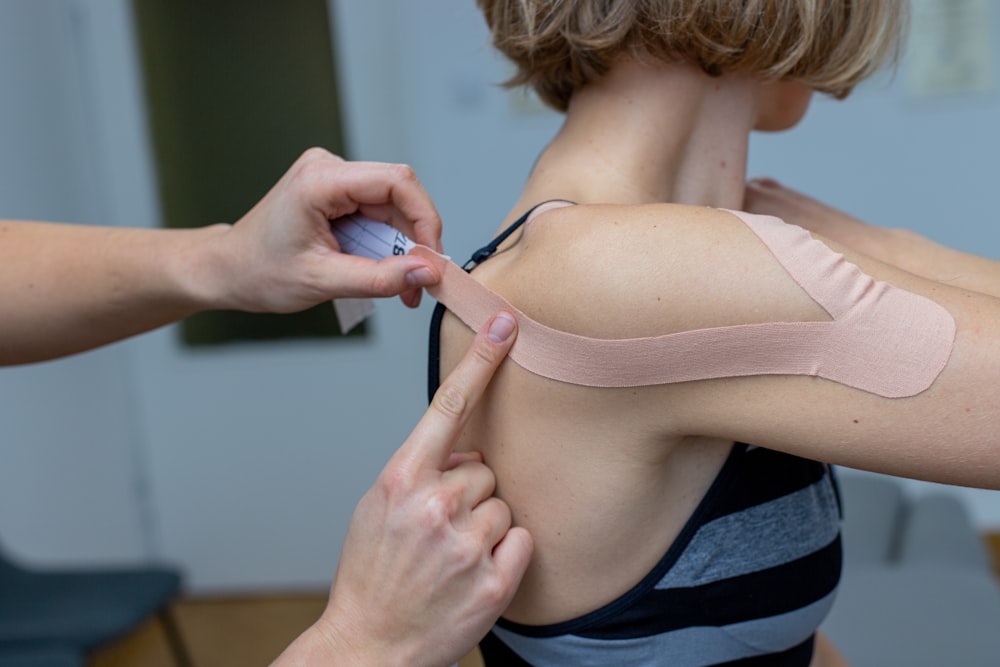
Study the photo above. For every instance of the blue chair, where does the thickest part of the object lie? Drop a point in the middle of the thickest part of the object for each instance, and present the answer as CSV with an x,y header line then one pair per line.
x,y
82,609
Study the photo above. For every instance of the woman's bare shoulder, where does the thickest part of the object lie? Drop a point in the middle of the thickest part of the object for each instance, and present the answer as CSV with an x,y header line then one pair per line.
x,y
637,219
611,271
624,272
648,234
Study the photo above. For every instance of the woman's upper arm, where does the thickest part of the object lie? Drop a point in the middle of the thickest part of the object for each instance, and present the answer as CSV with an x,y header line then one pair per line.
x,y
647,271
947,432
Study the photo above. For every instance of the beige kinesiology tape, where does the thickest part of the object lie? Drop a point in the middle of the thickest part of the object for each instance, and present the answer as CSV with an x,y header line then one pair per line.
x,y
879,339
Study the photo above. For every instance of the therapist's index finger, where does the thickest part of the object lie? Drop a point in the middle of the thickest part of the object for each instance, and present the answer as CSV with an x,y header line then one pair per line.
x,y
458,395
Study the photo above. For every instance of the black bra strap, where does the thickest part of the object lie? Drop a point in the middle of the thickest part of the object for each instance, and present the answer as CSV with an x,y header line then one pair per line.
x,y
434,352
487,250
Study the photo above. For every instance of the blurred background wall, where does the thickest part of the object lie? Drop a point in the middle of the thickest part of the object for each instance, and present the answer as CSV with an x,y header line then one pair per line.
x,y
243,462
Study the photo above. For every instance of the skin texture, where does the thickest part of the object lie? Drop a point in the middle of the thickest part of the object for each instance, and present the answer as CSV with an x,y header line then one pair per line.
x,y
604,479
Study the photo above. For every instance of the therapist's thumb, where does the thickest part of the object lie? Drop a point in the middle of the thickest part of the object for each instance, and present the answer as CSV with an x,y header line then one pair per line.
x,y
358,277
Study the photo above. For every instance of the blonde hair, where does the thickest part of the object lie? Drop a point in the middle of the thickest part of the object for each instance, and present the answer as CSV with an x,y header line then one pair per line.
x,y
558,46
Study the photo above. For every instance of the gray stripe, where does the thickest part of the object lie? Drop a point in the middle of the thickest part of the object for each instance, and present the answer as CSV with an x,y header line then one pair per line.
x,y
758,538
690,647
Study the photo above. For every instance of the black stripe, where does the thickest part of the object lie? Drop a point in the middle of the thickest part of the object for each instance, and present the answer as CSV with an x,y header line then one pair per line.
x,y
766,475
758,595
497,654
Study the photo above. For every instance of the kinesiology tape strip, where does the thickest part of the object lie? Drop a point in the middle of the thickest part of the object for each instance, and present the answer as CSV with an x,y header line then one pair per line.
x,y
880,339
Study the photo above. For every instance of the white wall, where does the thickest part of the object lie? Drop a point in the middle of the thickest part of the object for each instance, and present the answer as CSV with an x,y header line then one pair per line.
x,y
252,457
69,488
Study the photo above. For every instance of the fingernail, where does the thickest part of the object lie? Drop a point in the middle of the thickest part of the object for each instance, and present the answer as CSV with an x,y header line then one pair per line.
x,y
421,277
501,328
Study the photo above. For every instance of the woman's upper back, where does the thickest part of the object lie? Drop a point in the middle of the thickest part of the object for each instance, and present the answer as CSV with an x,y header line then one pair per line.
x,y
607,478
651,270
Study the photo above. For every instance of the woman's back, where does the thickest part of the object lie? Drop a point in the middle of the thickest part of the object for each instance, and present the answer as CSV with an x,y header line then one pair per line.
x,y
608,479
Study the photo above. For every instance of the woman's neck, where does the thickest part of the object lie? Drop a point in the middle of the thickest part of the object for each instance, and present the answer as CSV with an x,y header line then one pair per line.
x,y
643,134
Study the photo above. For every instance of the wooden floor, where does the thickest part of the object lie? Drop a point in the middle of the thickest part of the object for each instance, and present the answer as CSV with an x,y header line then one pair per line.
x,y
245,631
248,630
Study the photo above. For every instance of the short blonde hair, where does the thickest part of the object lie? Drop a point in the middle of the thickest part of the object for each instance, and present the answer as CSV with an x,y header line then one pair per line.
x,y
558,46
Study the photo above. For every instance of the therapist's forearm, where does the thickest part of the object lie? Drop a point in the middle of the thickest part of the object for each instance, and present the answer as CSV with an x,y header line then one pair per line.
x,y
67,288
899,247
926,258
909,251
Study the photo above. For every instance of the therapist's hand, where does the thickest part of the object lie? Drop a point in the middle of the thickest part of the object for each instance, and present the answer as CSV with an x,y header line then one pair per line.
x,y
282,257
766,196
899,247
431,560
